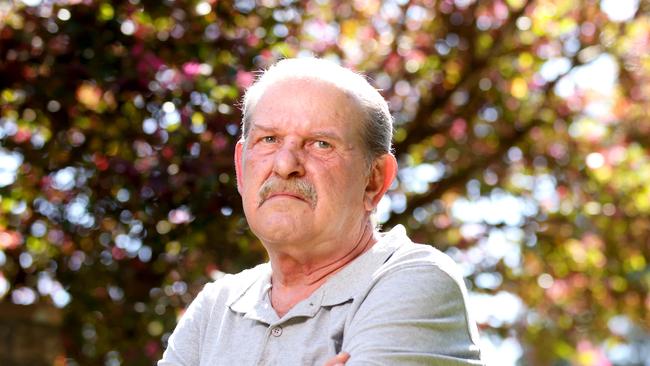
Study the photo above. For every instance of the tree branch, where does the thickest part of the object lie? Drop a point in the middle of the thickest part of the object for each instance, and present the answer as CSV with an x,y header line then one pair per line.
x,y
420,127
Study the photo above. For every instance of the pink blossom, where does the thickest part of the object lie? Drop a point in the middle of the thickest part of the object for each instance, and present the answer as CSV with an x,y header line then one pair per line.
x,y
191,68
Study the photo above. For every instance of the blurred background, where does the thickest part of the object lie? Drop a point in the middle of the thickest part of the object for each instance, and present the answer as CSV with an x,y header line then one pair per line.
x,y
522,132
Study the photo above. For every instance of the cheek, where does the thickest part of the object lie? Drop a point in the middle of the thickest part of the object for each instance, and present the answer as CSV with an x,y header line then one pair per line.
x,y
253,177
343,188
254,167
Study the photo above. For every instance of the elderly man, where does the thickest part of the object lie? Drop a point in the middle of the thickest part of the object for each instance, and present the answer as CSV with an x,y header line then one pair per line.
x,y
312,164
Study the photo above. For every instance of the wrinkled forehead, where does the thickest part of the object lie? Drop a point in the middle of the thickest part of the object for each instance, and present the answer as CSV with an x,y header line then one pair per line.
x,y
310,90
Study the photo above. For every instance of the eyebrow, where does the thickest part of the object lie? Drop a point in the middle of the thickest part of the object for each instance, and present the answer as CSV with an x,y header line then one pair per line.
x,y
326,134
317,134
263,128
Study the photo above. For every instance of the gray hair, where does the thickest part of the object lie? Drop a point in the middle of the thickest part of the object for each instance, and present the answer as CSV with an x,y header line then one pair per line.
x,y
377,133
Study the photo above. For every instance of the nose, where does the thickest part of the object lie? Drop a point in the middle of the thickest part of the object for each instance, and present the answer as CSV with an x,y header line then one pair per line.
x,y
289,161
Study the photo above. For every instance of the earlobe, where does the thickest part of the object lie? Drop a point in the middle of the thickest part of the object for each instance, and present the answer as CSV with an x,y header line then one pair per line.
x,y
381,177
238,163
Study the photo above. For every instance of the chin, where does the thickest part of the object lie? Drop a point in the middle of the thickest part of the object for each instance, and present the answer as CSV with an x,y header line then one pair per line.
x,y
286,229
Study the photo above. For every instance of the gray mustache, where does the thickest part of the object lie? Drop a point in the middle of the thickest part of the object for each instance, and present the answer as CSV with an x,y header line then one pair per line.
x,y
301,188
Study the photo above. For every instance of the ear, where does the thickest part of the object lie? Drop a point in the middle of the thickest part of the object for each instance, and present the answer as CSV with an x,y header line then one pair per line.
x,y
382,174
239,148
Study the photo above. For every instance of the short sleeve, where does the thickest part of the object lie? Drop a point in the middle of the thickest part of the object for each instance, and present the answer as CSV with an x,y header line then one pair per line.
x,y
413,315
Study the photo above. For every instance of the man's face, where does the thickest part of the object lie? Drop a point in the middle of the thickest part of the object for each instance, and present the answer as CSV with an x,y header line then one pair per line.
x,y
302,171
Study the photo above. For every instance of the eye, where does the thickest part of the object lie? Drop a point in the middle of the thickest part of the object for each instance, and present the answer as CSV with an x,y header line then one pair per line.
x,y
269,139
323,144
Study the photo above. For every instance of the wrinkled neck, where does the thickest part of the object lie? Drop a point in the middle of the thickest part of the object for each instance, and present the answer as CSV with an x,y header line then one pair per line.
x,y
293,280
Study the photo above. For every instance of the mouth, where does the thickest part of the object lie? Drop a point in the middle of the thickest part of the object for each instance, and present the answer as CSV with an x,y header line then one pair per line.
x,y
285,195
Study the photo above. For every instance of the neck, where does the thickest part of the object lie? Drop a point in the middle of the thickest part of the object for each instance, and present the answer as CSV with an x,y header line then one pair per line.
x,y
293,280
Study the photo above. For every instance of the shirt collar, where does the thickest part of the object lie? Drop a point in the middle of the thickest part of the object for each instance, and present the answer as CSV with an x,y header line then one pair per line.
x,y
253,302
250,299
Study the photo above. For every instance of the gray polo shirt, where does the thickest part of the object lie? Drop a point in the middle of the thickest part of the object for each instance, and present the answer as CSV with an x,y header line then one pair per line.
x,y
397,304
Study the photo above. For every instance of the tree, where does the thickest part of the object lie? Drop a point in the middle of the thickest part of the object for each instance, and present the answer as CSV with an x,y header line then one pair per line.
x,y
121,119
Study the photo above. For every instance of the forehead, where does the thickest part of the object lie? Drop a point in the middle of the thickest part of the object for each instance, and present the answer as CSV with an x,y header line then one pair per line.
x,y
304,103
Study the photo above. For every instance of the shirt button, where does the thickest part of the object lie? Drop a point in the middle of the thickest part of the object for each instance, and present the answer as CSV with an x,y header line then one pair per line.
x,y
276,332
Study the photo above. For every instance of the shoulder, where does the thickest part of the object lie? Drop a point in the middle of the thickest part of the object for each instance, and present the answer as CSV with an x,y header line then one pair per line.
x,y
425,277
426,261
417,296
422,271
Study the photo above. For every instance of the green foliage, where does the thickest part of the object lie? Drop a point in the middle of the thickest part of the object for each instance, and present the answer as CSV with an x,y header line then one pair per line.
x,y
121,119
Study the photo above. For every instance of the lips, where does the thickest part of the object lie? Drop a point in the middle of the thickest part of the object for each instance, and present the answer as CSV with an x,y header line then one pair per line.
x,y
285,194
